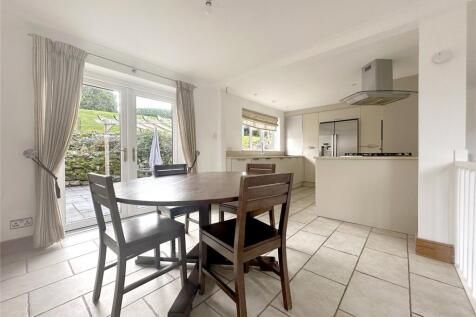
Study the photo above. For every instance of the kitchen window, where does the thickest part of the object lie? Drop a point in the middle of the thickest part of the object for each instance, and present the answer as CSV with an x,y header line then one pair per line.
x,y
258,131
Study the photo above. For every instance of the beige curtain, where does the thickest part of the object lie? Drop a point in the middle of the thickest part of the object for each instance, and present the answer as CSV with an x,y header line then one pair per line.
x,y
186,121
57,79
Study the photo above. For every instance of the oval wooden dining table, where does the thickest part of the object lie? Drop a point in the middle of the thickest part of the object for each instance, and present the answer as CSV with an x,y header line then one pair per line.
x,y
202,190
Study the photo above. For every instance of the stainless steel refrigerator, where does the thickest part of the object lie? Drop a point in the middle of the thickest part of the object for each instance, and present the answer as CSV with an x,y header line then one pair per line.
x,y
338,137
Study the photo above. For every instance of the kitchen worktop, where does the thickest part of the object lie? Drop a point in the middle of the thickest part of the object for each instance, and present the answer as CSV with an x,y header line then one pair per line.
x,y
366,158
262,156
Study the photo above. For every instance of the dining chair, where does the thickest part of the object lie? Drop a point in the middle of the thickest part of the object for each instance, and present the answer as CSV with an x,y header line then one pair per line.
x,y
175,211
232,207
128,239
246,238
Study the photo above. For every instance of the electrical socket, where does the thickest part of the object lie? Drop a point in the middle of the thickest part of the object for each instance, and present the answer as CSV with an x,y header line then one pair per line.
x,y
21,223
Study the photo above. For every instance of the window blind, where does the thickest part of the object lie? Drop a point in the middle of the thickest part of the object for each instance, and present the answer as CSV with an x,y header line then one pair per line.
x,y
259,120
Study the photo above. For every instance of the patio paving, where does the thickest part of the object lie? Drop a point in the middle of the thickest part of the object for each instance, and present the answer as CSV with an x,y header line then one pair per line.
x,y
79,205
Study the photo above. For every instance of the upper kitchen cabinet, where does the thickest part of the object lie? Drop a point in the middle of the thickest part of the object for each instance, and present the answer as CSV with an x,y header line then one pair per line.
x,y
340,114
310,128
294,135
370,128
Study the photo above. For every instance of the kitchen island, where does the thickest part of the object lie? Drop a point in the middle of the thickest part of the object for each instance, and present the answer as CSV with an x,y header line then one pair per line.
x,y
374,191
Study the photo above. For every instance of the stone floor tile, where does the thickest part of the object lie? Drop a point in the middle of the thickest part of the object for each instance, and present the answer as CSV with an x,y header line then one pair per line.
x,y
372,297
432,298
305,242
74,308
436,270
346,243
312,295
320,227
385,266
388,244
12,269
390,233
332,264
60,255
355,229
34,280
137,309
15,307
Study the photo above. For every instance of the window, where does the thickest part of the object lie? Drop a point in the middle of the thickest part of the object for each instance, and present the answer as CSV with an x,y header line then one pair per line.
x,y
259,131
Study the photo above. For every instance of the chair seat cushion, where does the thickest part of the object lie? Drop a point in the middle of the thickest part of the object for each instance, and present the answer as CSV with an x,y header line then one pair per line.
x,y
176,211
224,232
149,226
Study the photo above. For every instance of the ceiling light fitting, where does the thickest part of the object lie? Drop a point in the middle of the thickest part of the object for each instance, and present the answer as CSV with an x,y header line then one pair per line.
x,y
208,7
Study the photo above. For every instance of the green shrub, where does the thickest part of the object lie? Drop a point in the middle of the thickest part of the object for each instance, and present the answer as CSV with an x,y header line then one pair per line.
x,y
86,154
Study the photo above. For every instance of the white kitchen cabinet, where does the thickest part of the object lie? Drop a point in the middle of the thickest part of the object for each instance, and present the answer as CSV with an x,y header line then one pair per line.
x,y
239,164
294,135
283,165
310,145
292,164
340,114
370,128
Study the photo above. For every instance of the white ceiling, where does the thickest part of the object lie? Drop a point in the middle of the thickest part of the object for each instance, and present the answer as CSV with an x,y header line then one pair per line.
x,y
237,39
325,79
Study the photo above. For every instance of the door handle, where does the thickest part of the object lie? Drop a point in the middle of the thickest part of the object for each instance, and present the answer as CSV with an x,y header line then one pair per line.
x,y
133,154
335,144
124,150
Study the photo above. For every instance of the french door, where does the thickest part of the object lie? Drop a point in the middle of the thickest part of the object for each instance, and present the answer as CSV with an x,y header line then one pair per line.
x,y
121,131
151,136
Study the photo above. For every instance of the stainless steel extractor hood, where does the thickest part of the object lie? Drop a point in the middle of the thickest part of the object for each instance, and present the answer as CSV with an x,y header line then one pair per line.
x,y
377,85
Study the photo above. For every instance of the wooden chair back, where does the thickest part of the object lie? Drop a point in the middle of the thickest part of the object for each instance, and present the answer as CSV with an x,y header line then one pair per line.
x,y
259,169
171,169
102,193
262,192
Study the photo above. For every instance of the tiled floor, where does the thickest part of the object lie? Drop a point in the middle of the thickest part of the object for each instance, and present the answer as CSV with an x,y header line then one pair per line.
x,y
336,269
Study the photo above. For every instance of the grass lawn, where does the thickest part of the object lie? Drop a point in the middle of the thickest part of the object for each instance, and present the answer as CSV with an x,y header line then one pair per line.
x,y
88,121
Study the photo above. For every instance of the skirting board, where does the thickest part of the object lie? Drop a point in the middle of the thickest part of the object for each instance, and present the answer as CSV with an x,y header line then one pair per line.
x,y
16,245
435,250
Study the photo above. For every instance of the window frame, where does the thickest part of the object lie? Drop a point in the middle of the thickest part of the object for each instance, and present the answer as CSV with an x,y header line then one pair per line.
x,y
261,136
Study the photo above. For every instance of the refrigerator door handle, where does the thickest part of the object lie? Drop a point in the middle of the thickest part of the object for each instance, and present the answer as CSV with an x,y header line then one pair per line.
x,y
335,145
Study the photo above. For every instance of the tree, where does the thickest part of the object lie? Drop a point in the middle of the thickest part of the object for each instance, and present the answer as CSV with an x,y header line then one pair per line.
x,y
94,98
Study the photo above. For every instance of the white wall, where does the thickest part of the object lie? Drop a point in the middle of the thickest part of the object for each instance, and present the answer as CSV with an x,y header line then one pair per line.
x,y
231,120
18,190
400,120
208,128
442,118
471,115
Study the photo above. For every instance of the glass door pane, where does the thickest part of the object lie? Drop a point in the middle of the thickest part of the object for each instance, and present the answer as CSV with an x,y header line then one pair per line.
x,y
95,147
153,139
154,134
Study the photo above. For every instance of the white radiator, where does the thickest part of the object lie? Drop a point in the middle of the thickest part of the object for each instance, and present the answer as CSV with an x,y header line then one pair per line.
x,y
465,204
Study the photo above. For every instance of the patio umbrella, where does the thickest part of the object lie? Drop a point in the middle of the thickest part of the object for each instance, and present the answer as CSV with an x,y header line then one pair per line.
x,y
154,157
